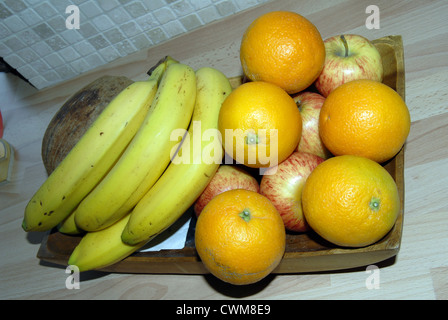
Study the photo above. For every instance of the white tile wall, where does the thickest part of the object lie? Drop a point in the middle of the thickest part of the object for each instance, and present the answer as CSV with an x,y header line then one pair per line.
x,y
36,42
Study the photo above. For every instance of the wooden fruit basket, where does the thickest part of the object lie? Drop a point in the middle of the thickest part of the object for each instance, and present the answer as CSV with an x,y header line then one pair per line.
x,y
305,252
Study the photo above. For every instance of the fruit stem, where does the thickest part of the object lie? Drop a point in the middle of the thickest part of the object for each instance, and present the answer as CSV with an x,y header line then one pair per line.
x,y
374,204
299,105
156,72
251,138
344,41
245,214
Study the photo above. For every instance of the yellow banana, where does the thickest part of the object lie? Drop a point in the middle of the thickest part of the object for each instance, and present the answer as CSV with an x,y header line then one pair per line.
x,y
91,158
99,249
148,154
192,167
139,192
68,225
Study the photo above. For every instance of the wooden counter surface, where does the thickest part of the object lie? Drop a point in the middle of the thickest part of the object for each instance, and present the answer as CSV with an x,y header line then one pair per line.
x,y
419,271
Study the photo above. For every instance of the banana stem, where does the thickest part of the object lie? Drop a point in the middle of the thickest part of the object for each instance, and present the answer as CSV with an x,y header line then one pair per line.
x,y
156,72
154,67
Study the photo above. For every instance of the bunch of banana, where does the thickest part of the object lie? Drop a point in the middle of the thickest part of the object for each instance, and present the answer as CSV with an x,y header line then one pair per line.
x,y
122,184
93,156
175,190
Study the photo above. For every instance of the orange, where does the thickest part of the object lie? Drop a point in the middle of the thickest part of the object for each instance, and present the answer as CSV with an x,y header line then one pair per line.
x,y
365,118
350,201
283,48
240,236
260,124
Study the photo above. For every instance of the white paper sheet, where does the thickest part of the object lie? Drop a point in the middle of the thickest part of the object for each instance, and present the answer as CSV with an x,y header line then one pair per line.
x,y
172,238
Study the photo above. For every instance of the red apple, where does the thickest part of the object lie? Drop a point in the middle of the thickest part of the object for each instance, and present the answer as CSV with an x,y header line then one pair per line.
x,y
228,177
309,104
284,188
348,57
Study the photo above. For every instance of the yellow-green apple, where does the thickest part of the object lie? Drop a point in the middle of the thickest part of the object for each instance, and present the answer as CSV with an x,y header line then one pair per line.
x,y
228,177
284,188
309,104
348,57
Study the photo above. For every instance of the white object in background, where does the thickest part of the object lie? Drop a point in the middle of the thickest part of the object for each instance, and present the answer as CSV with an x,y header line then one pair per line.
x,y
172,238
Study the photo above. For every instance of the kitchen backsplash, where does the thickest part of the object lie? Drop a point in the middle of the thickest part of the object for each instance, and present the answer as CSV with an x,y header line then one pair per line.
x,y
51,41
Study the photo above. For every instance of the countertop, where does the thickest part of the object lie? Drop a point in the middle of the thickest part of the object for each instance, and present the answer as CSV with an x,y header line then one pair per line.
x,y
419,271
